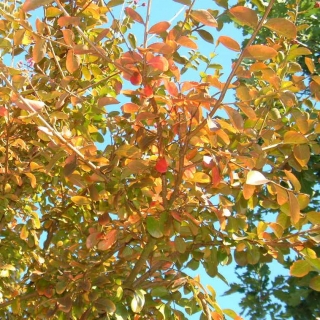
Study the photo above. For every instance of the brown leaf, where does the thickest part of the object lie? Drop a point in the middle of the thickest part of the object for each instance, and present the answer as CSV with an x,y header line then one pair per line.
x,y
70,165
72,61
39,50
66,21
107,101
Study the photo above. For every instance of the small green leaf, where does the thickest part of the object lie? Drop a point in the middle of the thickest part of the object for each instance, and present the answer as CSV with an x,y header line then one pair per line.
x,y
153,227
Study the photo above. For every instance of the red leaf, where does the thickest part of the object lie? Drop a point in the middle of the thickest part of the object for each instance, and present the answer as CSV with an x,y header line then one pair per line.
x,y
162,165
136,78
93,239
134,15
108,240
216,176
160,63
229,43
130,107
3,112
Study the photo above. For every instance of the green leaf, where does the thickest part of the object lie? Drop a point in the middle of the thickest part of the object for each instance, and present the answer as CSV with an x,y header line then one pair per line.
x,y
153,227
300,268
315,283
206,36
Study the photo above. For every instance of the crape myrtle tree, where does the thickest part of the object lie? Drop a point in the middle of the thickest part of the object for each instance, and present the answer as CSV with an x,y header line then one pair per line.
x,y
111,233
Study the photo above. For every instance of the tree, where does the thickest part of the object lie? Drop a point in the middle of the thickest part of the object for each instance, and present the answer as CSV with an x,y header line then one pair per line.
x,y
89,232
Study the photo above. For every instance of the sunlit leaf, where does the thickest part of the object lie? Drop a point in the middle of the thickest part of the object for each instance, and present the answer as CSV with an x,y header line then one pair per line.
x,y
294,208
293,137
245,16
229,43
30,5
256,178
134,15
187,42
300,268
259,52
159,27
159,63
204,17
282,27
201,177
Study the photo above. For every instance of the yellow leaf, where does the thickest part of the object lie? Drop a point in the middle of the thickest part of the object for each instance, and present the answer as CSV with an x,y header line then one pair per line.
x,y
300,268
293,179
80,200
201,177
294,208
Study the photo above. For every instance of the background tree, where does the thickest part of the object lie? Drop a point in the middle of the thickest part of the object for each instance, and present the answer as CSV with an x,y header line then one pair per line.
x,y
112,232
262,291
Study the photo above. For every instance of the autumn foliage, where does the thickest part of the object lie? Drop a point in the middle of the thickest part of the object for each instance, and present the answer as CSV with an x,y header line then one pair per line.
x,y
121,171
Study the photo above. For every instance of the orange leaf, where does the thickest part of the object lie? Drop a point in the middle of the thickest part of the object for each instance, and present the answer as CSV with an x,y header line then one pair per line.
x,y
93,239
34,4
133,15
260,52
310,64
187,42
302,154
245,16
282,195
130,107
282,27
65,21
107,101
108,240
171,88
159,27
248,191
159,63
293,137
204,17
229,43
293,179
161,165
216,176
72,61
